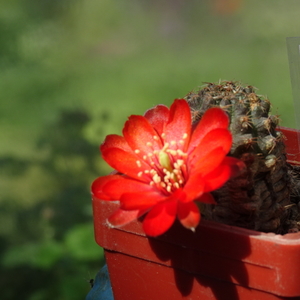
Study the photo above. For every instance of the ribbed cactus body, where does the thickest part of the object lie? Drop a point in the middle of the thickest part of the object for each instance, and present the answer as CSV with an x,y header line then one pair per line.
x,y
258,199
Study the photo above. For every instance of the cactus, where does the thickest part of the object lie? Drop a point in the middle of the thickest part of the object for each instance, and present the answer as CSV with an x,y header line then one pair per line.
x,y
260,198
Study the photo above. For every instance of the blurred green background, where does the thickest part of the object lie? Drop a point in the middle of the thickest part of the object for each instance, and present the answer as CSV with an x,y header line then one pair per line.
x,y
71,71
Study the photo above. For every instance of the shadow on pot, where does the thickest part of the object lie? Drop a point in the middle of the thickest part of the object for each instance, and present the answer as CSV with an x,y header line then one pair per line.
x,y
206,261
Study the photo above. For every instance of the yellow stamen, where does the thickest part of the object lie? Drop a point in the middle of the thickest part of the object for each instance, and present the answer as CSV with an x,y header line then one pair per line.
x,y
156,178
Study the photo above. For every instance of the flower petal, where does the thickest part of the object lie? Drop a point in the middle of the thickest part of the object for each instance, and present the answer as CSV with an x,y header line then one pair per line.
x,y
132,201
98,185
126,162
115,188
115,141
209,162
161,217
122,217
188,215
158,117
207,198
141,136
217,178
214,139
193,188
178,128
212,119
229,168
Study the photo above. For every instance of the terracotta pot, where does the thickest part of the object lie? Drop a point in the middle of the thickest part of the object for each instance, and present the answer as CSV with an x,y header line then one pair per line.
x,y
216,262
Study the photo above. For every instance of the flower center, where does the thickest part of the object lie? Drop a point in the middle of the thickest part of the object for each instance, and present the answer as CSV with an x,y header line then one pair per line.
x,y
168,167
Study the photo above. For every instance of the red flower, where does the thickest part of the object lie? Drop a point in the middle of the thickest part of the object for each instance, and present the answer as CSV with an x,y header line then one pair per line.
x,y
164,166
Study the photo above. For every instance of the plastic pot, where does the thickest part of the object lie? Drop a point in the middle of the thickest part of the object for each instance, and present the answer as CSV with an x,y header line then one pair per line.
x,y
216,262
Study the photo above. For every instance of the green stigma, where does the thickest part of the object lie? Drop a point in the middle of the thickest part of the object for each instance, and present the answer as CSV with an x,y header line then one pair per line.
x,y
165,161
